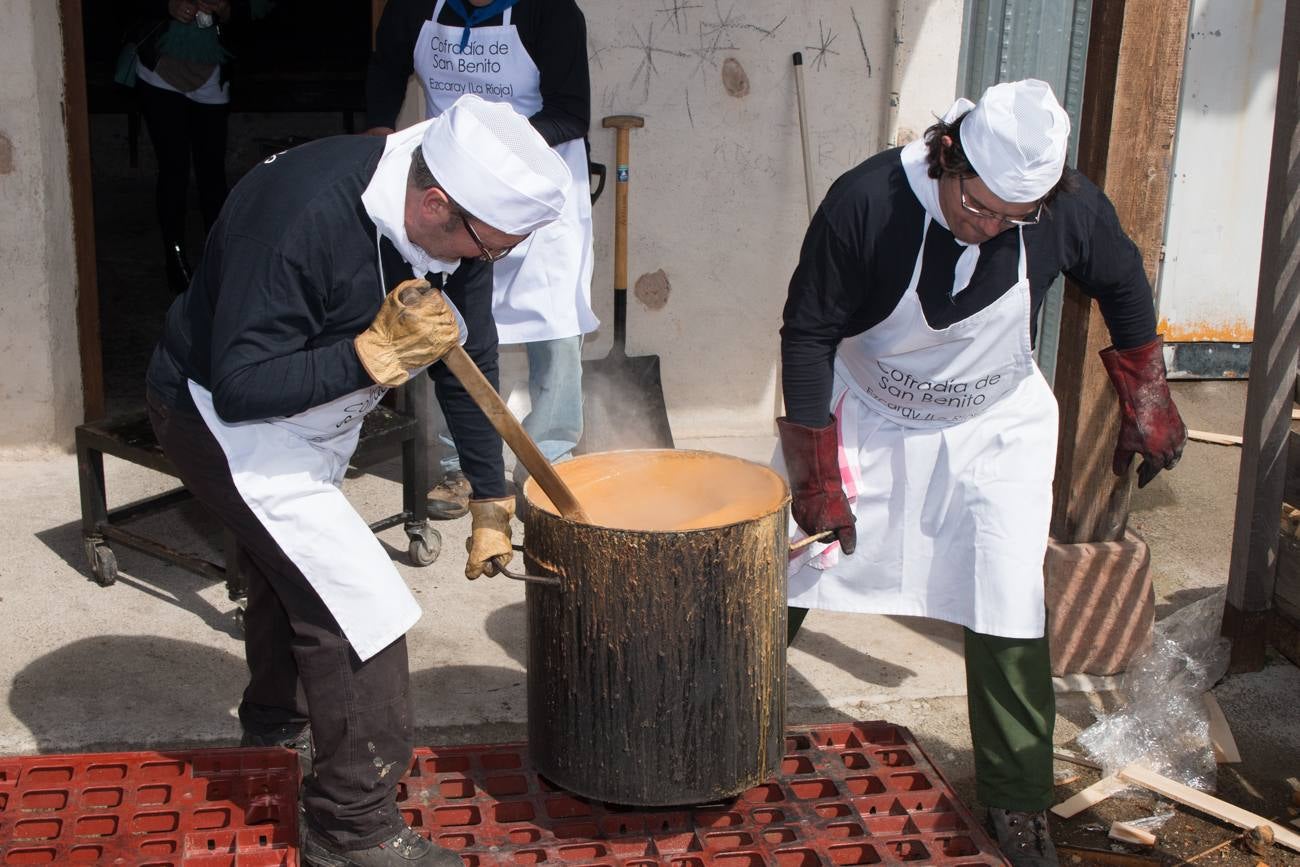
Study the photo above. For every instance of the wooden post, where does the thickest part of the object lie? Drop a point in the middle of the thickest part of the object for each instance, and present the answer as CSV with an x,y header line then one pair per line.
x,y
76,116
376,10
1269,396
1130,107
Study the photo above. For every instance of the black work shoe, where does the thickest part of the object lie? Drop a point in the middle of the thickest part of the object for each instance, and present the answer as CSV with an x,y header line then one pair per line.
x,y
406,849
449,499
1023,837
296,738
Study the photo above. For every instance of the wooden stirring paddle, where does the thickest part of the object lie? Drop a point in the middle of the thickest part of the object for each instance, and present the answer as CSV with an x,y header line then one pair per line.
x,y
483,394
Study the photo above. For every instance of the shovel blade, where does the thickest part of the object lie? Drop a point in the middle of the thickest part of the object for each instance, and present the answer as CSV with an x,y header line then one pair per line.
x,y
623,405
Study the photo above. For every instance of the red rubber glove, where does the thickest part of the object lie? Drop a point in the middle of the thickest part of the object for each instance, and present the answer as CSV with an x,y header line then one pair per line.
x,y
817,494
1149,422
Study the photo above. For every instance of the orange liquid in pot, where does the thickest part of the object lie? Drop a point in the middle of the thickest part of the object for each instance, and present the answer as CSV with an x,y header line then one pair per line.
x,y
665,490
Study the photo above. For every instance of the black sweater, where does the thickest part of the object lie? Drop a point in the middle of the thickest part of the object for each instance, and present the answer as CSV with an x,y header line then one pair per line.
x,y
553,32
290,275
860,249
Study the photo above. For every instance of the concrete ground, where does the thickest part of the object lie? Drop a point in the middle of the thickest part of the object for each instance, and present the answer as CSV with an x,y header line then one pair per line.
x,y
156,660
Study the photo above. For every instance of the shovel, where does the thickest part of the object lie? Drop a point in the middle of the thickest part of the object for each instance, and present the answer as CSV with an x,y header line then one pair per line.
x,y
623,397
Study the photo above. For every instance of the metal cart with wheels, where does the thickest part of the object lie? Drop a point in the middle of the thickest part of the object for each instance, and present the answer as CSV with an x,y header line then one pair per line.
x,y
131,438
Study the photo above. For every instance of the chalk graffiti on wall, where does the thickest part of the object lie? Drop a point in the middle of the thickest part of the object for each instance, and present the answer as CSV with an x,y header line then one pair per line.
x,y
731,23
711,29
861,41
822,50
646,69
677,13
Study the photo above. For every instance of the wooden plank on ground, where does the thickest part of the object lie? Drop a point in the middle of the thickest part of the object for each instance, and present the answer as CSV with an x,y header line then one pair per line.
x,y
1064,778
1126,833
1208,804
1087,855
1073,757
1094,794
1225,745
1217,439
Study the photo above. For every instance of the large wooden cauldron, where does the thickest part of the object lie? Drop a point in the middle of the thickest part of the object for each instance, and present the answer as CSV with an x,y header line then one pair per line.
x,y
656,666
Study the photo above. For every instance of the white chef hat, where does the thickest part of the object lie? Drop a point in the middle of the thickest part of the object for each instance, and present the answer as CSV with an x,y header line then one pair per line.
x,y
490,160
1015,139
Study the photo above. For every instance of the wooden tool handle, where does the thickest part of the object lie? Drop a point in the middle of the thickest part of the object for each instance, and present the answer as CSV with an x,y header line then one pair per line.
x,y
623,121
808,540
513,433
622,124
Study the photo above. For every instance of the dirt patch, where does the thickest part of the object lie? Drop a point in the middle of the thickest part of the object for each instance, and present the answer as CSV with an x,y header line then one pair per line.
x,y
653,289
734,78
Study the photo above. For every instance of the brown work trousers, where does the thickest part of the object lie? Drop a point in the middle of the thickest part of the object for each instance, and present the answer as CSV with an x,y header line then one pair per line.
x,y
301,665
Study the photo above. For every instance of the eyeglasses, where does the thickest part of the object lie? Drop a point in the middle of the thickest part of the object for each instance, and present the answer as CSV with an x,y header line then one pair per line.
x,y
1027,220
488,255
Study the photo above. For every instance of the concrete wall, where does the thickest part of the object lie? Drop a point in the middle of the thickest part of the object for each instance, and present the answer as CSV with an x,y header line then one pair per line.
x,y
40,379
716,197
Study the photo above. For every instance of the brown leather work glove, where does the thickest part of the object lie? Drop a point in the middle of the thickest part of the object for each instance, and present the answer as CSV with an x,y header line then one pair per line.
x,y
489,542
414,327
817,499
1149,423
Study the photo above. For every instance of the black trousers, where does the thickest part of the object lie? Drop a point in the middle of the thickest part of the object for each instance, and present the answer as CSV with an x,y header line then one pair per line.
x,y
185,131
300,663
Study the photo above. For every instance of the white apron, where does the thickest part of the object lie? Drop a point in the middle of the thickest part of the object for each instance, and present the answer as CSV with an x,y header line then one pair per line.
x,y
947,450
542,289
289,470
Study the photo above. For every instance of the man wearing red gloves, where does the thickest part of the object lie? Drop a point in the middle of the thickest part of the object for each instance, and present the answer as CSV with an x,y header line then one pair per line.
x,y
921,432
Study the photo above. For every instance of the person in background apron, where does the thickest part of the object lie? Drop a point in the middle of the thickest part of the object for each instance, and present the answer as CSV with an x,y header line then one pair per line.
x,y
177,59
288,336
919,430
532,55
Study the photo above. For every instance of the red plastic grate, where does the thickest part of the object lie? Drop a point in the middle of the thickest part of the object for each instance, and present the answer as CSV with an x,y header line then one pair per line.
x,y
198,808
857,793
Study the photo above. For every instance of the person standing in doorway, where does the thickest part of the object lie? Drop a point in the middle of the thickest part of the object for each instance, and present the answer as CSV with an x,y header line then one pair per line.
x,y
921,434
181,75
532,55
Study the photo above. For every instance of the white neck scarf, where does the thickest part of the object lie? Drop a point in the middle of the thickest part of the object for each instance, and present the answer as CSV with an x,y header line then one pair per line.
x,y
385,201
926,190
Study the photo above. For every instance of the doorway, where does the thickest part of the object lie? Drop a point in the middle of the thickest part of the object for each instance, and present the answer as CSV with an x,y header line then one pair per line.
x,y
298,74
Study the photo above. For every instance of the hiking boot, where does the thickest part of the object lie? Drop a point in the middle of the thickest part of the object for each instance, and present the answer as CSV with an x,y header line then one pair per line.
x,y
1022,837
293,737
406,849
449,499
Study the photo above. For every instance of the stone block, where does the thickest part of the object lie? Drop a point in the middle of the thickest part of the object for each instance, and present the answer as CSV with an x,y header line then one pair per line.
x,y
1100,604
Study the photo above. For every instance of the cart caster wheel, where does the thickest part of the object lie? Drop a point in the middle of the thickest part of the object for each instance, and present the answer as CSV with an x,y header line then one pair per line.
x,y
425,546
103,563
239,619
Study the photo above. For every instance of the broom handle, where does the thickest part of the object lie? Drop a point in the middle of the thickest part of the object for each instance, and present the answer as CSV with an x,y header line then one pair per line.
x,y
803,134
